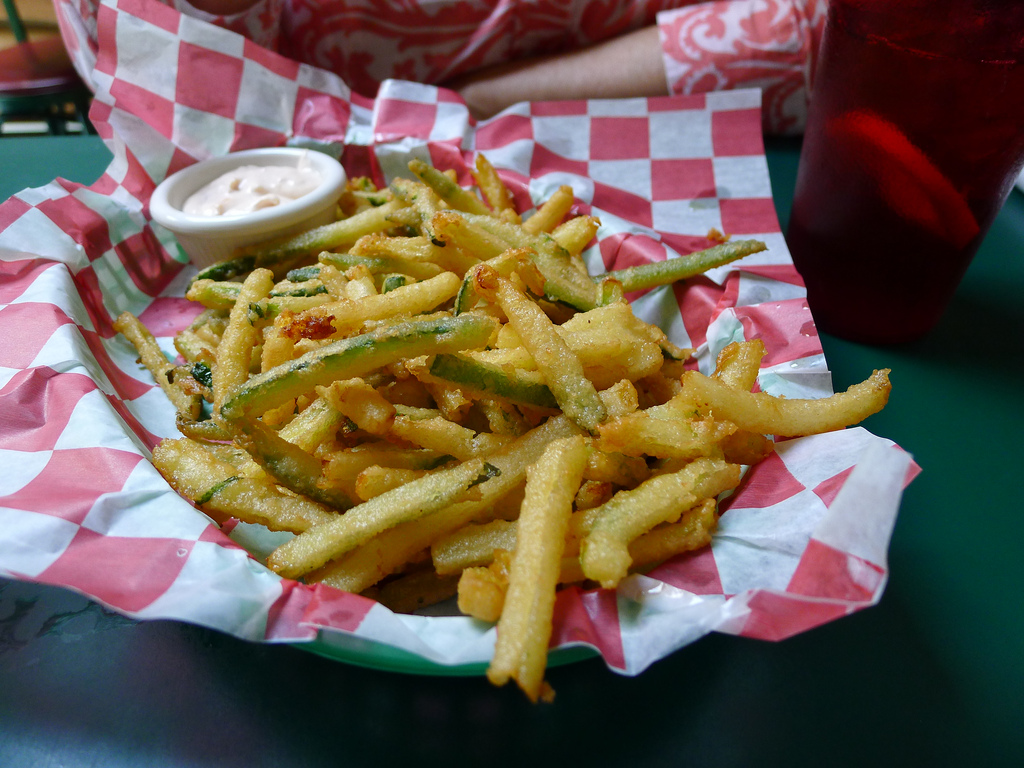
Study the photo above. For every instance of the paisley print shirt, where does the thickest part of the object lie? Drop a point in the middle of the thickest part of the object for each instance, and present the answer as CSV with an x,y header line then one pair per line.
x,y
709,45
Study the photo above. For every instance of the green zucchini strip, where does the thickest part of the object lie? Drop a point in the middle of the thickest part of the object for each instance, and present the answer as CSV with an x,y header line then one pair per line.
x,y
323,238
218,488
217,294
563,280
448,190
672,270
412,501
421,270
503,382
290,465
356,356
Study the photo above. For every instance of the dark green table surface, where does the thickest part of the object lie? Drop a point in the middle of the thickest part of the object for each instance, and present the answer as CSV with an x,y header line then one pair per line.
x,y
933,675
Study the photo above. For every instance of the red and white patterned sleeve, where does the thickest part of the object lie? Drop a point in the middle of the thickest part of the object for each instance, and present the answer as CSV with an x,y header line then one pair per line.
x,y
770,44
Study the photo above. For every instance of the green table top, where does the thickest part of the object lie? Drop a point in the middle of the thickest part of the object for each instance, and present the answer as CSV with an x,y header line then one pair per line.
x,y
933,675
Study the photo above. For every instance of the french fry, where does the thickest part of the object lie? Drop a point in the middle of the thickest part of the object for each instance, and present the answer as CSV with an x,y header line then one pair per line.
x,y
593,493
472,545
576,234
512,262
199,341
493,420
497,195
457,231
152,357
375,480
612,345
415,590
692,531
482,590
278,348
234,353
413,253
420,197
343,467
362,404
604,552
575,393
640,434
620,399
348,315
315,546
739,363
478,546
457,197
391,550
761,413
361,283
616,468
215,487
550,214
524,628
446,437
563,279
332,278
743,447
502,418
452,401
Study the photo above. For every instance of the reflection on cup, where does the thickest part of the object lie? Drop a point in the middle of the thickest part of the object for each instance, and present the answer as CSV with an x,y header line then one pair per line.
x,y
914,140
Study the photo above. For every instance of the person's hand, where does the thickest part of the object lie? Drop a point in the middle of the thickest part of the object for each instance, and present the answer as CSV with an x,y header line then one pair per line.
x,y
623,67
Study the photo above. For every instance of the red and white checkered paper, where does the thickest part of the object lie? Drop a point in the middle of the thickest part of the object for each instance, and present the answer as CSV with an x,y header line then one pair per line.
x,y
802,542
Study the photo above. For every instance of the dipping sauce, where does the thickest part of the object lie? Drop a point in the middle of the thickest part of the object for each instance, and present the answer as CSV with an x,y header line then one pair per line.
x,y
249,188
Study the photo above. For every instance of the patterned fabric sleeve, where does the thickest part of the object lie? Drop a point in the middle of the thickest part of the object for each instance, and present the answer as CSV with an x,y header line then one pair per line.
x,y
706,46
769,44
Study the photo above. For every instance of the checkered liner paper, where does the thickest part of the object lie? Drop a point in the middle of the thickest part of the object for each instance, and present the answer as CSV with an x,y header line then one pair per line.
x,y
802,542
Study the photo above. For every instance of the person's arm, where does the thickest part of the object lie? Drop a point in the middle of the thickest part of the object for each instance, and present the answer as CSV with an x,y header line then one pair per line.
x,y
623,67
223,7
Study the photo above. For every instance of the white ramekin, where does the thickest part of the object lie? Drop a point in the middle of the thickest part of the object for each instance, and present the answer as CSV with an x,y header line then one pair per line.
x,y
209,239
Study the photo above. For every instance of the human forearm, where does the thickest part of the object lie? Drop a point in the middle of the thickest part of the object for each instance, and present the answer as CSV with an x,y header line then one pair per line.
x,y
624,67
223,7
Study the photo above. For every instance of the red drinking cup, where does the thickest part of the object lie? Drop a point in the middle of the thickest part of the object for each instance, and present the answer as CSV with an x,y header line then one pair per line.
x,y
914,138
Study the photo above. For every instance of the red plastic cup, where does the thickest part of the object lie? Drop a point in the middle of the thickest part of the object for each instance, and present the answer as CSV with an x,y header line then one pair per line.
x,y
914,138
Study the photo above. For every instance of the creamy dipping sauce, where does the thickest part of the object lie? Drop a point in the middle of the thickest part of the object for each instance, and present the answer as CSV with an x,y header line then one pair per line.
x,y
251,188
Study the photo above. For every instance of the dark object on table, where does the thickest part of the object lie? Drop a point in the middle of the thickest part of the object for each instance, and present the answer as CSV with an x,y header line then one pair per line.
x,y
38,84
